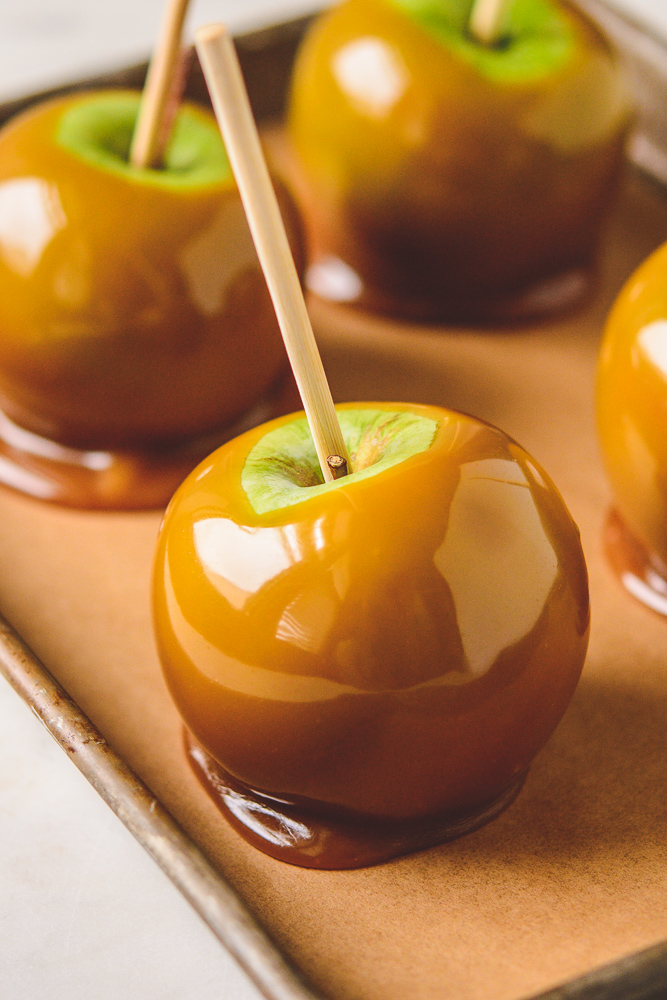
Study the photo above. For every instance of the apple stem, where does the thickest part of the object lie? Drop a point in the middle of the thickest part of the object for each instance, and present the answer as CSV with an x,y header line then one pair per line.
x,y
149,139
232,108
486,20
338,466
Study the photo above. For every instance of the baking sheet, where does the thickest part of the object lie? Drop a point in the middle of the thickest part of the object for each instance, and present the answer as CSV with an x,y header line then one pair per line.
x,y
571,876
574,874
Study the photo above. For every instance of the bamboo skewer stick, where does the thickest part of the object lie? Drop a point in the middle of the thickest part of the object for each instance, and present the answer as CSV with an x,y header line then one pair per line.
x,y
486,20
232,108
179,82
148,139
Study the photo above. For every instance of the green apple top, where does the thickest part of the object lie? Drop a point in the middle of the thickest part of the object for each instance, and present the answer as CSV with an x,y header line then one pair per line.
x,y
452,176
99,130
133,309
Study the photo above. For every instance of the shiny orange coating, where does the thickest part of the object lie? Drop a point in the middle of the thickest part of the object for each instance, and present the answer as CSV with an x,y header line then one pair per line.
x,y
131,314
449,193
632,405
399,647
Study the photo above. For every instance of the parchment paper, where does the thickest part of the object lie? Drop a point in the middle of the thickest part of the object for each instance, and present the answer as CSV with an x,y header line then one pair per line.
x,y
574,874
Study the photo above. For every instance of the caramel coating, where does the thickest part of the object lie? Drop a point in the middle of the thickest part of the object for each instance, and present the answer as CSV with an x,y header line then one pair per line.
x,y
632,404
130,314
447,192
399,647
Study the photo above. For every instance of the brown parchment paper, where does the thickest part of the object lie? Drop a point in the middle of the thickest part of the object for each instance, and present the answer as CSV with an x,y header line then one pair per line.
x,y
574,874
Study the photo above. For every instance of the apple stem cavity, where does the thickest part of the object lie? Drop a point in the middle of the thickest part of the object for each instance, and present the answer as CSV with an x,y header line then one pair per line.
x,y
486,20
159,100
232,109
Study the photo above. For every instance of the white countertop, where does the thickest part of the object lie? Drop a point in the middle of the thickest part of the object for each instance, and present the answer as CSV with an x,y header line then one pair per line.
x,y
84,912
44,43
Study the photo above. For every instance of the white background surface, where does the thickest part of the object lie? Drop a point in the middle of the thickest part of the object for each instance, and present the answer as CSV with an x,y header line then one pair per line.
x,y
85,914
47,42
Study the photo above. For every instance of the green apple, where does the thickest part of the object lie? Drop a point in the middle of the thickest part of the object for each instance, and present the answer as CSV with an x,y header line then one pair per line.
x,y
368,664
133,310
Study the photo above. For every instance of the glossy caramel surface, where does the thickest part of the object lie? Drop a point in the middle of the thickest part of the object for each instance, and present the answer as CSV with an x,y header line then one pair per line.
x,y
131,313
448,192
632,405
298,835
399,647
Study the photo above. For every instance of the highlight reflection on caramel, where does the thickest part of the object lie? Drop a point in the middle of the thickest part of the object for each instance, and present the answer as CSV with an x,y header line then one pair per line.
x,y
632,408
397,649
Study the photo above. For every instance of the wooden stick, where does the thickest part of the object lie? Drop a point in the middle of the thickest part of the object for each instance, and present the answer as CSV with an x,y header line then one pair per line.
x,y
486,20
232,108
148,141
179,82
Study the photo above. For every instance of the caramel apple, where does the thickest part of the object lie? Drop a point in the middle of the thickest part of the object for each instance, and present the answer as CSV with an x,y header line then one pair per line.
x,y
369,665
632,415
371,617
134,316
448,178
